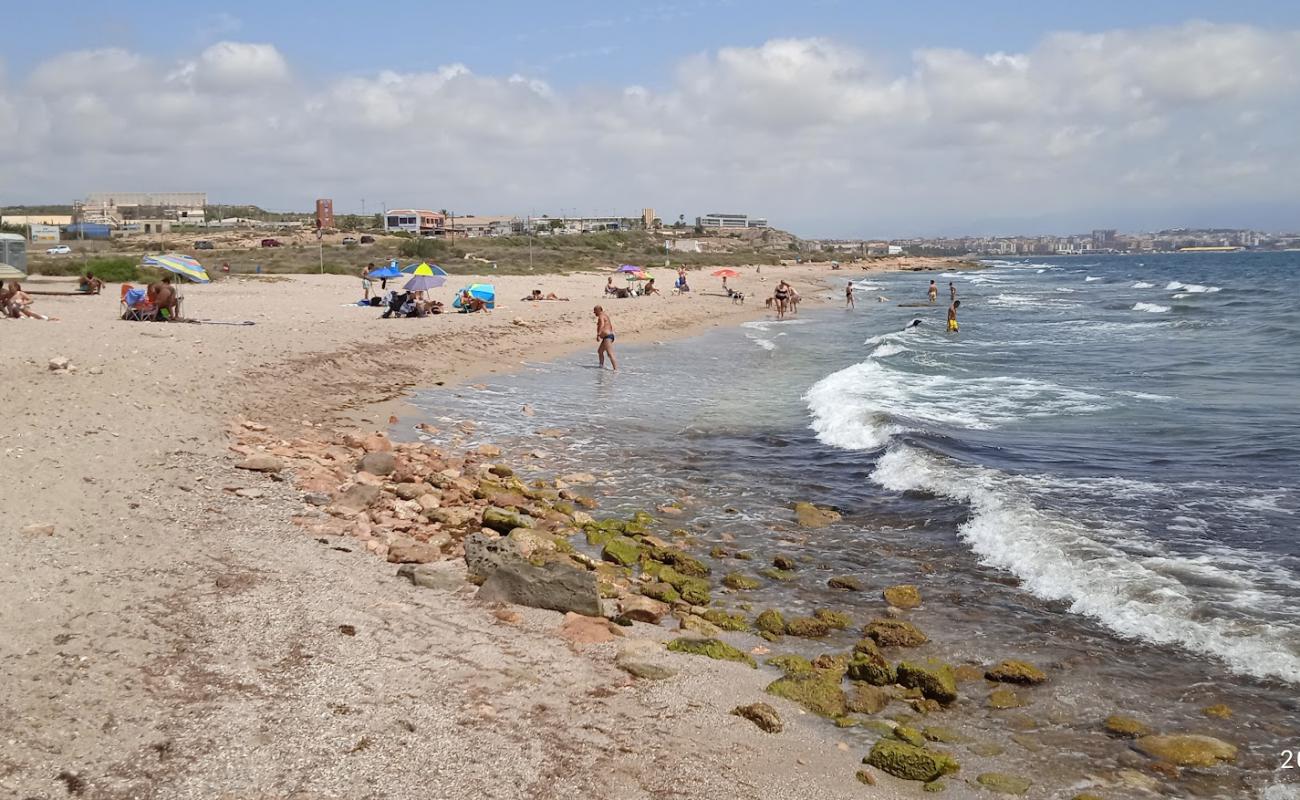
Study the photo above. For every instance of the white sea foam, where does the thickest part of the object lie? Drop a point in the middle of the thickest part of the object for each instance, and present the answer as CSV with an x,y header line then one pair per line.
x,y
1151,308
1090,279
1137,590
1193,288
888,349
1144,285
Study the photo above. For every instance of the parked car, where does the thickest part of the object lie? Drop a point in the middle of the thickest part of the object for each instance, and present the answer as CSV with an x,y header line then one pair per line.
x,y
58,250
349,240
271,243
204,244
367,240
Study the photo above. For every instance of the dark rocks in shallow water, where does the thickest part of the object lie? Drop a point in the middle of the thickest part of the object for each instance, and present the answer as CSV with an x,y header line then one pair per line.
x,y
934,678
871,668
770,621
772,573
1219,711
1016,672
726,620
712,648
910,762
807,627
838,620
903,596
784,562
1186,750
1123,727
846,582
819,692
739,582
895,633
808,515
790,664
863,698
762,715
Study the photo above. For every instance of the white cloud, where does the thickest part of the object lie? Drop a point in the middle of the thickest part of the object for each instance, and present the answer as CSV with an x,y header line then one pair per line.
x,y
818,136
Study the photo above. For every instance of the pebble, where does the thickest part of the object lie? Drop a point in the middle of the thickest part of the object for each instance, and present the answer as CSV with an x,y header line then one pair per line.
x,y
39,529
59,364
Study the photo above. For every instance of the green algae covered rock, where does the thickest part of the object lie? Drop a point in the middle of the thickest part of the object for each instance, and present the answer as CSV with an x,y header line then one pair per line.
x,y
909,762
1004,698
934,678
1123,727
808,515
895,633
770,621
1002,783
790,664
806,627
863,698
903,596
912,736
684,563
936,733
833,619
713,648
762,715
597,536
622,551
819,692
504,521
1186,750
738,581
693,590
871,668
846,582
772,573
727,621
1016,672
663,592
934,787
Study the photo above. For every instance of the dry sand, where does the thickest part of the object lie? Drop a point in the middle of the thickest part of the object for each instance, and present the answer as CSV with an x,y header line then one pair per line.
x,y
170,639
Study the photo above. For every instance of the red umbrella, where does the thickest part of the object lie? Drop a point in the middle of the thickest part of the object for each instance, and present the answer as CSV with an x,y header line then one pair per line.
x,y
725,272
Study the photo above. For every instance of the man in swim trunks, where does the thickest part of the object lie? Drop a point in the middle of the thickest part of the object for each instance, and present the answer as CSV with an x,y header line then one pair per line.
x,y
604,338
934,292
162,296
952,291
952,316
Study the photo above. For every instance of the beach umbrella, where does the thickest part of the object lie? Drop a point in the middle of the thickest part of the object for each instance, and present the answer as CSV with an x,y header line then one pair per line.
x,y
424,268
423,283
179,264
483,291
385,273
725,272
630,268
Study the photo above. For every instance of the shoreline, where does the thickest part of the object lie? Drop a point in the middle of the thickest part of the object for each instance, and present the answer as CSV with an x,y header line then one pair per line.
x,y
206,597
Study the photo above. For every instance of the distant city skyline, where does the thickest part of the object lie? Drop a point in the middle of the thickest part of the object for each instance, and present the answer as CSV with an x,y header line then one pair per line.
x,y
831,119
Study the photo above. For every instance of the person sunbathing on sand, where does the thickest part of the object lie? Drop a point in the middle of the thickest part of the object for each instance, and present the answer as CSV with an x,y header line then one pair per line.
x,y
162,296
537,296
90,284
469,304
17,303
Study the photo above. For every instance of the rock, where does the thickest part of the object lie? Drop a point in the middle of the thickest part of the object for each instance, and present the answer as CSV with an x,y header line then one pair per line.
x,y
100,371
871,668
790,664
582,629
1186,750
936,733
762,715
622,551
693,590
845,582
895,633
830,662
1219,711
864,698
380,462
986,749
409,491
454,518
642,609
376,443
740,582
808,515
428,502
578,478
404,550
682,562
1124,727
784,562
833,619
934,678
1016,672
261,462
772,573
1138,780
967,673
903,596
713,648
909,762
699,625
39,529
662,592
443,576
819,692
934,787
728,621
1004,698
1002,783
59,364
644,658
501,471
770,621
356,498
556,585
488,450
807,627
912,736
865,777
503,521
316,498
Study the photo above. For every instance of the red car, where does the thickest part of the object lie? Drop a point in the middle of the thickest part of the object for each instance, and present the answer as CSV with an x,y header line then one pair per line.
x,y
270,242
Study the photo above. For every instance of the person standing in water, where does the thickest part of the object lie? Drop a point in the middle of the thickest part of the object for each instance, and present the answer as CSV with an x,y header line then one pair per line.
x,y
952,291
934,292
848,295
604,338
952,316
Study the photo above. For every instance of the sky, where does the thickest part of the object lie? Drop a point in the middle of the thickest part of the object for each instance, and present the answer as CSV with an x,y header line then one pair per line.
x,y
832,119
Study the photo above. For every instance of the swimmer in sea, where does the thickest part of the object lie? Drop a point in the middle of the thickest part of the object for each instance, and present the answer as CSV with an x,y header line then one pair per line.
x,y
913,324
952,316
934,292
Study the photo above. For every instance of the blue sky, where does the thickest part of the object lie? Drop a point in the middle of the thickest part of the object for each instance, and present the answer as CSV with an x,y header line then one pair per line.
x,y
832,118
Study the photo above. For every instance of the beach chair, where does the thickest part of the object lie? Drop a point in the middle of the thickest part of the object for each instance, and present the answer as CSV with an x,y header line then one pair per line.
x,y
135,304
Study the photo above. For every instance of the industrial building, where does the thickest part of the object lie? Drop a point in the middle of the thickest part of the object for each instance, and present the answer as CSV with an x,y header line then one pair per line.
x,y
415,221
730,221
118,208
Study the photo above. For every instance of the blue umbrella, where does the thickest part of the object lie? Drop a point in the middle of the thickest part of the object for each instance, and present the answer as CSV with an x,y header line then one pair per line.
x,y
385,273
483,291
428,269
423,283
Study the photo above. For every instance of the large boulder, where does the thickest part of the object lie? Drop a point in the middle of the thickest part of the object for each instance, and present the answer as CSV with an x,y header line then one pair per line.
x,y
934,678
484,553
555,585
909,762
1186,750
808,515
1016,672
817,691
503,521
895,633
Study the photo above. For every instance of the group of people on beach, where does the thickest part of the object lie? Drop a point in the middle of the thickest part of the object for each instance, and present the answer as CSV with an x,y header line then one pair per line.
x,y
17,304
954,303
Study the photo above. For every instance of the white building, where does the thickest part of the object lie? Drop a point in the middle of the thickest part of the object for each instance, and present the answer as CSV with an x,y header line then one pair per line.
x,y
730,221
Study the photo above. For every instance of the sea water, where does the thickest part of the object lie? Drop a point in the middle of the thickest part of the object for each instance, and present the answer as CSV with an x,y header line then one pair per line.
x,y
1099,473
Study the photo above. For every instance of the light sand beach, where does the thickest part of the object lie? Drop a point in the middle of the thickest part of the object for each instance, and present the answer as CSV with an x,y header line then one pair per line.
x,y
169,632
